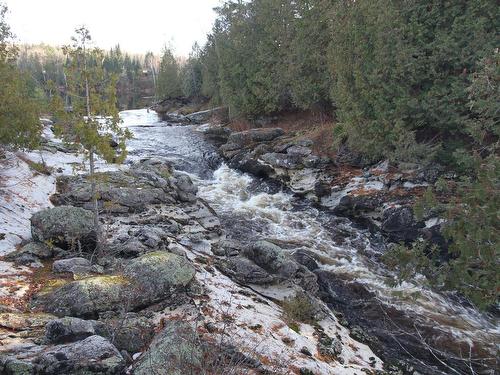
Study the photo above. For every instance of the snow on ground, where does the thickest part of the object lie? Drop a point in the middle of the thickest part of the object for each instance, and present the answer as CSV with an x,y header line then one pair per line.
x,y
258,324
24,191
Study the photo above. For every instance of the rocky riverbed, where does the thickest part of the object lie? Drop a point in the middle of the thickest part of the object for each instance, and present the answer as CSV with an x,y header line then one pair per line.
x,y
205,269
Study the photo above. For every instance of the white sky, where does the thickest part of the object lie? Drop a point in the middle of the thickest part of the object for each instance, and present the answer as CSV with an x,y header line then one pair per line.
x,y
137,25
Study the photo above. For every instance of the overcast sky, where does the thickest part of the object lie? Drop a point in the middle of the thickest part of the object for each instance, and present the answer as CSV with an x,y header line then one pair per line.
x,y
138,26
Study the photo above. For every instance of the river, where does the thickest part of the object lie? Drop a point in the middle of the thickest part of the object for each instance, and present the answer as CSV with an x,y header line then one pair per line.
x,y
432,332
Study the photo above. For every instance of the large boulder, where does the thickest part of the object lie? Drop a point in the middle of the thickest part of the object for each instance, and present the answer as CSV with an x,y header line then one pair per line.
x,y
68,329
174,351
266,255
145,280
94,355
129,332
66,227
244,271
273,259
88,297
73,265
158,274
399,224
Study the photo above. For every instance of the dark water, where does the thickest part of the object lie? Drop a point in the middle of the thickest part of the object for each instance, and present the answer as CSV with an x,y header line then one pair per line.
x,y
431,332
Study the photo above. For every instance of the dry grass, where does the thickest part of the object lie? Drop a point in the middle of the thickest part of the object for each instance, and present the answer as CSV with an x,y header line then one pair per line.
x,y
317,126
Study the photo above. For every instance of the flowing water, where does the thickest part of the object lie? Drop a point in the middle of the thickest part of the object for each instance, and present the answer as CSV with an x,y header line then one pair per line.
x,y
436,333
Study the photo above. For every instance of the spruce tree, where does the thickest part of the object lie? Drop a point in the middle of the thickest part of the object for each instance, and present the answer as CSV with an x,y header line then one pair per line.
x,y
93,121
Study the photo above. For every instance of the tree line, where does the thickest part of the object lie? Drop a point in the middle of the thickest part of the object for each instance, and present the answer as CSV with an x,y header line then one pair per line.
x,y
136,73
410,81
398,76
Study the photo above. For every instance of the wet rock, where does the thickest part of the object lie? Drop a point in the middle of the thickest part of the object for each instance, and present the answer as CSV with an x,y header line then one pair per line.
x,y
174,351
73,265
266,254
244,271
68,329
272,259
93,355
306,258
255,135
185,188
217,134
65,226
399,224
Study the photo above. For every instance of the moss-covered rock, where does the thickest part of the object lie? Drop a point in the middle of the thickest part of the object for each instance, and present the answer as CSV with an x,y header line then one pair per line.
x,y
158,274
13,366
65,226
174,351
87,297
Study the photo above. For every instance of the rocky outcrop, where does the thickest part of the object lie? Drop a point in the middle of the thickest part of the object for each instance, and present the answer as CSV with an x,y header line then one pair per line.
x,y
144,281
265,263
175,350
146,183
157,275
66,227
93,355
167,110
267,152
150,296
380,197
165,107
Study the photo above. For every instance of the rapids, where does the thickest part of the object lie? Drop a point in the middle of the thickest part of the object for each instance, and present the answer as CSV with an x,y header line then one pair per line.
x,y
433,332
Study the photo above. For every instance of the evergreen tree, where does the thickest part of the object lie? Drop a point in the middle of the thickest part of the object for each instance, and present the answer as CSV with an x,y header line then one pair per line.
x,y
168,82
19,112
93,120
191,74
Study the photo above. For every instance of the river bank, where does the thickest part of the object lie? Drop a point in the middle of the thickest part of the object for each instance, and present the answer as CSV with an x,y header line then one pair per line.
x,y
164,262
245,245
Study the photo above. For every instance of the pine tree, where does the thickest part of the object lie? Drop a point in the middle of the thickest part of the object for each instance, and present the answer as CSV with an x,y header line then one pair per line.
x,y
93,120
